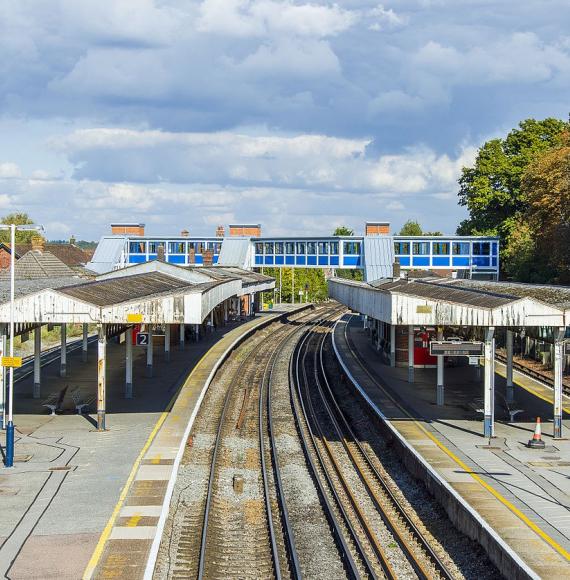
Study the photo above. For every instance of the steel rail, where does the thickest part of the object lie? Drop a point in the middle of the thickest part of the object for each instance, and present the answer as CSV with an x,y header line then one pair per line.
x,y
532,373
211,477
365,458
300,411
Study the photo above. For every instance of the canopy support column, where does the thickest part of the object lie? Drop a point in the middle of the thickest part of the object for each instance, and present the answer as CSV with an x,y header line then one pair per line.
x,y
84,343
101,375
392,345
410,353
489,407
3,377
149,353
440,392
167,342
129,363
63,367
510,386
558,369
182,337
37,361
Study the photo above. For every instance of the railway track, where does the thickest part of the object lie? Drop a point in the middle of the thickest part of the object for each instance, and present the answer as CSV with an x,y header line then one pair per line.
x,y
277,481
369,519
538,375
243,524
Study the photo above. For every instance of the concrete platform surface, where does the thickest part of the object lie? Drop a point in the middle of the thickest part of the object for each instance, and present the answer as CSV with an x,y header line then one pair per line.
x,y
67,479
523,494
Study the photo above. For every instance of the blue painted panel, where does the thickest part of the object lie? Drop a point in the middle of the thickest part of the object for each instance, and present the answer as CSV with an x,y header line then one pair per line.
x,y
199,259
420,261
215,259
494,250
137,259
440,261
351,261
300,261
258,260
480,261
494,262
461,261
323,261
152,257
311,260
404,260
279,260
290,260
334,261
176,259
269,260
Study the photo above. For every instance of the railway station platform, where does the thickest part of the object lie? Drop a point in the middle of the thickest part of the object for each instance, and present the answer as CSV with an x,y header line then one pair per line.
x,y
79,501
514,500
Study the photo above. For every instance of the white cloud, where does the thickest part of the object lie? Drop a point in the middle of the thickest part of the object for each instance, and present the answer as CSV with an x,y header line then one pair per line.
x,y
395,206
9,170
383,18
267,17
304,161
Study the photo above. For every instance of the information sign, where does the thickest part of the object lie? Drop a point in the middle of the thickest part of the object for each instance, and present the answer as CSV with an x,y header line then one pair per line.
x,y
134,318
142,338
455,348
12,361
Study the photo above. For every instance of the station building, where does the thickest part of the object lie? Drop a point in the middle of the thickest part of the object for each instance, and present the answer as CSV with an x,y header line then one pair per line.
x,y
374,252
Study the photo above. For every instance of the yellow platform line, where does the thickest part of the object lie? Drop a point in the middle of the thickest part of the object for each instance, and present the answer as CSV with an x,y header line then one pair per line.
x,y
545,397
564,553
98,552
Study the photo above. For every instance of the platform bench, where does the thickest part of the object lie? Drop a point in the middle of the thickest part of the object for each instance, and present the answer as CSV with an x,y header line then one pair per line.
x,y
80,403
54,401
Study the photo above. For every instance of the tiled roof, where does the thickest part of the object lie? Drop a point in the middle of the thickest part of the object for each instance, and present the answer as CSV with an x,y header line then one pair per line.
x,y
69,254
34,264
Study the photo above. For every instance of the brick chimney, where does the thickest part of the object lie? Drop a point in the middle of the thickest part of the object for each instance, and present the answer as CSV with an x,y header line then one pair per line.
x,y
208,257
248,230
184,233
191,256
131,229
377,228
38,244
220,232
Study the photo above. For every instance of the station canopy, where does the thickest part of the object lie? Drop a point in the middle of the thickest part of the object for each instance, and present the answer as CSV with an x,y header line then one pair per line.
x,y
155,292
455,302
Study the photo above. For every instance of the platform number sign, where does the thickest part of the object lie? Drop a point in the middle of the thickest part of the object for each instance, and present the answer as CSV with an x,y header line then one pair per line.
x,y
142,338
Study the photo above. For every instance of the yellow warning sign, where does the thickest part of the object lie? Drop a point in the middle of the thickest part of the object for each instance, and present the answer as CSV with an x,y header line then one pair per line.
x,y
135,318
12,361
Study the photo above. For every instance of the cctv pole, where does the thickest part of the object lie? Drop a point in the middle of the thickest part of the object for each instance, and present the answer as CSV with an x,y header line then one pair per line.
x,y
10,425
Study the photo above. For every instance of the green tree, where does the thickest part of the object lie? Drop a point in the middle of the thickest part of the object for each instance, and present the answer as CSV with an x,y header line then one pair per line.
x,y
545,185
491,189
343,231
411,228
346,273
20,219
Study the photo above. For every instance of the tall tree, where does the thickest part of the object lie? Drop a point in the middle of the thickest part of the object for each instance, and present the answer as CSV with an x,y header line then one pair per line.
x,y
491,189
20,219
343,231
546,187
411,228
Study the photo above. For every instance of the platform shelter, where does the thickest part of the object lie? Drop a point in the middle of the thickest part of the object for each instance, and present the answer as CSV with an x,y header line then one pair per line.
x,y
403,311
154,298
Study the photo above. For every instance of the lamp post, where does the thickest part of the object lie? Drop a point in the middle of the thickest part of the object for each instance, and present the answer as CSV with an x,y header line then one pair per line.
x,y
9,461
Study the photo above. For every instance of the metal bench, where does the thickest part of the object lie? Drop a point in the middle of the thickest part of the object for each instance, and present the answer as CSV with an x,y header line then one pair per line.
x,y
54,401
478,405
80,403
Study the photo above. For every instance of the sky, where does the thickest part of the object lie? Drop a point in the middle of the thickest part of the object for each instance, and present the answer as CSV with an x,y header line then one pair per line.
x,y
297,115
